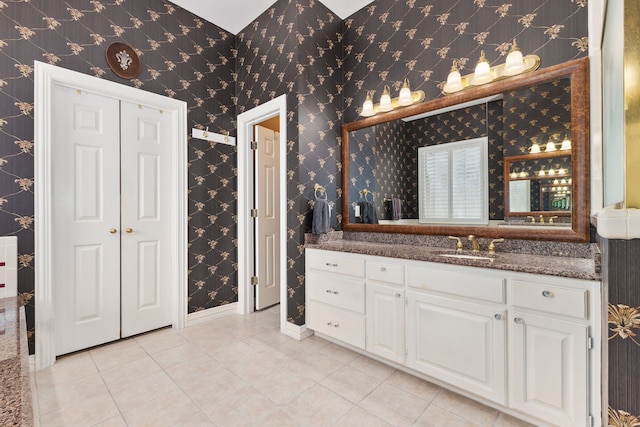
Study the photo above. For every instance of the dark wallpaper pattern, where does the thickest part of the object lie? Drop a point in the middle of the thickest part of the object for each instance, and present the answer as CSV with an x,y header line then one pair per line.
x,y
182,57
294,48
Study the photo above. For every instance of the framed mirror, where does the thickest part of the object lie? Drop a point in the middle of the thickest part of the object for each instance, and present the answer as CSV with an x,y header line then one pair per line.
x,y
533,122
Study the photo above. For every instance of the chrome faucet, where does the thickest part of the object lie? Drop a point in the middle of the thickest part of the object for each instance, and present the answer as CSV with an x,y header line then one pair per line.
x,y
475,246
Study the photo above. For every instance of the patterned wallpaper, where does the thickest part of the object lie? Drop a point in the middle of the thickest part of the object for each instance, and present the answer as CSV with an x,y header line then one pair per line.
x,y
182,57
294,48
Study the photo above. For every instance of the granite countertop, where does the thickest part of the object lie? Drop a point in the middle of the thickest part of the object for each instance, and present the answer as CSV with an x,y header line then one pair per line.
x,y
16,407
561,266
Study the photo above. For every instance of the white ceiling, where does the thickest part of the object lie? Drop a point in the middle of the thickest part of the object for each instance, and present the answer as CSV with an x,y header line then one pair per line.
x,y
234,15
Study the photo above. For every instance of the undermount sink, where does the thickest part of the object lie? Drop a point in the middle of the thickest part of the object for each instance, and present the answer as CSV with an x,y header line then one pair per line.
x,y
471,257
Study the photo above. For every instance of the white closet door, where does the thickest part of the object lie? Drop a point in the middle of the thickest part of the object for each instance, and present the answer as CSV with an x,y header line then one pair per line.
x,y
146,210
86,219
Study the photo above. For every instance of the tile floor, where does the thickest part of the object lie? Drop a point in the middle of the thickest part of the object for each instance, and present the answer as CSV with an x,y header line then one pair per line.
x,y
237,371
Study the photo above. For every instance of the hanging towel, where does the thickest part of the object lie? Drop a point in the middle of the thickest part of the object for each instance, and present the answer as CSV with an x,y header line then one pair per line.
x,y
369,213
321,217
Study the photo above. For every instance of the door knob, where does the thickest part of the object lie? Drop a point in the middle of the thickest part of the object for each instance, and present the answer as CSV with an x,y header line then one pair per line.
x,y
113,231
129,230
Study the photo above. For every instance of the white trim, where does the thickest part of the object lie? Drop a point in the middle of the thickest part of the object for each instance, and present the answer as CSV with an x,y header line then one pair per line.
x,y
298,332
246,120
46,76
211,313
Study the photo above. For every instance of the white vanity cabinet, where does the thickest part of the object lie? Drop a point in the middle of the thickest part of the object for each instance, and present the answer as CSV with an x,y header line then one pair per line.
x,y
549,347
456,328
335,296
528,344
385,301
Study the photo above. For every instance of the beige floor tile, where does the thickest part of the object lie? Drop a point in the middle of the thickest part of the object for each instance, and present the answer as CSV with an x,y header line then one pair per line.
x,y
118,376
435,416
351,383
112,422
466,408
279,418
56,397
162,339
82,412
337,352
209,390
118,353
358,417
505,420
176,355
142,390
198,420
230,352
66,369
314,365
318,406
253,366
393,405
166,410
247,406
190,371
282,385
372,367
414,385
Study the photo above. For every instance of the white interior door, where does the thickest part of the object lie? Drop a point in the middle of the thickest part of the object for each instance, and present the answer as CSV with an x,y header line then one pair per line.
x,y
86,219
145,214
267,233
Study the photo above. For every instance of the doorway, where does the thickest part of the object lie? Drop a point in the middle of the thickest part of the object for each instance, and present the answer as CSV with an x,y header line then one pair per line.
x,y
47,78
247,194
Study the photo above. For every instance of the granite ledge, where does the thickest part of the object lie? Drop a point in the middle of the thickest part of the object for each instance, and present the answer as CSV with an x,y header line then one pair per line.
x,y
570,267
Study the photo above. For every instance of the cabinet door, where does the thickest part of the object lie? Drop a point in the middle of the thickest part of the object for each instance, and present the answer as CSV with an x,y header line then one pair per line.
x,y
459,342
385,321
548,369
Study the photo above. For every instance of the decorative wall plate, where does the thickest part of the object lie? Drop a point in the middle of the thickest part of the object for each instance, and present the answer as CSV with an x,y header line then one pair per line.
x,y
123,60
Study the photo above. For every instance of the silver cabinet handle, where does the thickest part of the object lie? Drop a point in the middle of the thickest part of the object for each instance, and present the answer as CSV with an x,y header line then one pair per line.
x,y
383,269
518,320
546,294
331,291
498,316
335,325
398,295
329,264
329,324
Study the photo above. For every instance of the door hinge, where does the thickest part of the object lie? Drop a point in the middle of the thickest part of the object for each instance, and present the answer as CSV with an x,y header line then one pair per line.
x,y
254,145
254,280
254,213
590,343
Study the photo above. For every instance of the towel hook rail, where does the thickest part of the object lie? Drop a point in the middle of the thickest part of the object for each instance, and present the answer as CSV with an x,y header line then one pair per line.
x,y
317,187
366,192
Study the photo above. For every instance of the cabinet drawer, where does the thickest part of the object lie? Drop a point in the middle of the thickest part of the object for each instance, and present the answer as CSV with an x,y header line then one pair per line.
x,y
336,263
337,323
385,272
549,299
476,286
337,291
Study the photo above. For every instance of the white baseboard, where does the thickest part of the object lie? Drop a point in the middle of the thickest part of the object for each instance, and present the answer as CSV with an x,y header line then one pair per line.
x,y
297,332
211,313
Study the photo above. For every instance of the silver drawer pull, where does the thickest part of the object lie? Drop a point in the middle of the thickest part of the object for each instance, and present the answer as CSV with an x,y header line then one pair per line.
x,y
329,324
518,320
546,294
337,325
383,269
498,316
398,295
329,264
331,291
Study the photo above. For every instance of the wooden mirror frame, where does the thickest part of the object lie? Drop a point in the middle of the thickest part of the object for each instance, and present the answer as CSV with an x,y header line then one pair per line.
x,y
577,70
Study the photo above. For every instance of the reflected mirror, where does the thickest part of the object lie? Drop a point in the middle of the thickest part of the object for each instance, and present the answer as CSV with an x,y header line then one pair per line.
x,y
537,131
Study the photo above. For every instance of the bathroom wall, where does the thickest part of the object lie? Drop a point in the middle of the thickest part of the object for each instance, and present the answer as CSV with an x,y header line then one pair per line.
x,y
182,57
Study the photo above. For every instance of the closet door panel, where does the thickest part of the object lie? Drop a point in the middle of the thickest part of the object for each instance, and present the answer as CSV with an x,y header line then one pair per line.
x,y
85,191
146,208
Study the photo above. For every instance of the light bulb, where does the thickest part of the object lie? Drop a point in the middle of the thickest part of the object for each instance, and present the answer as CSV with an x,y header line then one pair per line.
x,y
454,80
367,107
523,174
562,171
535,148
482,73
405,98
514,63
566,143
550,146
385,100
556,182
541,173
552,172
514,174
